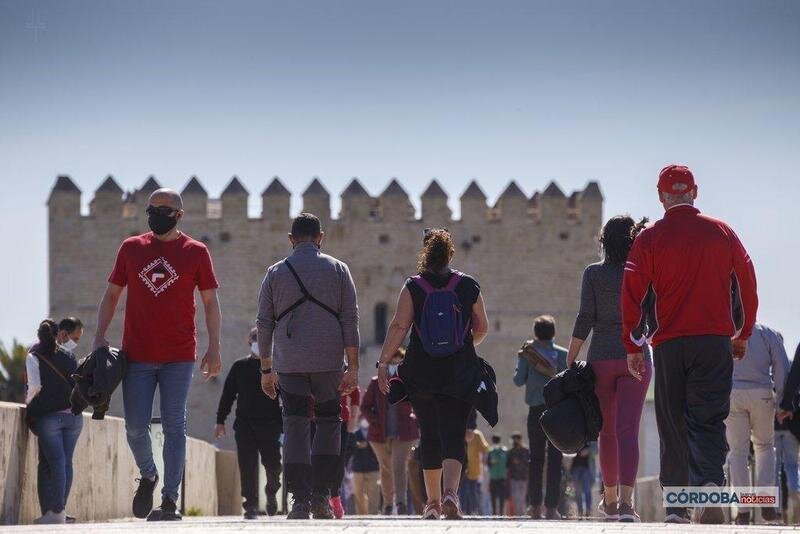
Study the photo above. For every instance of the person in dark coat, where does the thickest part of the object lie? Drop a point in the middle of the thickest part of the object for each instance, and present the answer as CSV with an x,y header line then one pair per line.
x,y
257,428
440,387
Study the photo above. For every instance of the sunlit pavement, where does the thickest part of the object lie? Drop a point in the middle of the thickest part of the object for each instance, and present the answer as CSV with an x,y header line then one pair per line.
x,y
363,525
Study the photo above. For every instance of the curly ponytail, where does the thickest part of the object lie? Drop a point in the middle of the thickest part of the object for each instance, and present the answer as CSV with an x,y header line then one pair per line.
x,y
47,332
437,251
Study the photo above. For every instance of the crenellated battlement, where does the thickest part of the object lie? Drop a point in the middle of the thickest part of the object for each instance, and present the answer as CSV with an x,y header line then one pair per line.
x,y
392,205
527,252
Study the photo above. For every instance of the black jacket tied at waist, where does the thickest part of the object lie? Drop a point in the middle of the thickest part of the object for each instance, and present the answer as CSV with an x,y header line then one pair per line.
x,y
96,378
573,416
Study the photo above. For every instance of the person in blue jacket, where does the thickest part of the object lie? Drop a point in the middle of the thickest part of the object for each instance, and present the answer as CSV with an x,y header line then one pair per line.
x,y
550,359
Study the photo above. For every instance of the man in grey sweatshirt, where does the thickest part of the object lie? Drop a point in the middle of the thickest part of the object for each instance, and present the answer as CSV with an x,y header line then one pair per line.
x,y
756,380
307,320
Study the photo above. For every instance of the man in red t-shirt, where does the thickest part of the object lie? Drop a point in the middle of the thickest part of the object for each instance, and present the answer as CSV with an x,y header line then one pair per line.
x,y
689,288
161,270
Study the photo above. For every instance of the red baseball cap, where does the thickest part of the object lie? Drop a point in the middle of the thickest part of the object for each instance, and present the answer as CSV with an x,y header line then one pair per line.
x,y
675,179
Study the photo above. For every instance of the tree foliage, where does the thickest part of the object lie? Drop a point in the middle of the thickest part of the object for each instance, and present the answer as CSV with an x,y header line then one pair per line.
x,y
12,372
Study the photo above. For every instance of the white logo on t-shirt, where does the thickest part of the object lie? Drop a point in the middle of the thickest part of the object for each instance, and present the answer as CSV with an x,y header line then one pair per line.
x,y
158,275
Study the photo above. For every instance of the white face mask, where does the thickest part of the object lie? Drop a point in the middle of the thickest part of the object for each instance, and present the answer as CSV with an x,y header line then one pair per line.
x,y
69,345
364,424
254,347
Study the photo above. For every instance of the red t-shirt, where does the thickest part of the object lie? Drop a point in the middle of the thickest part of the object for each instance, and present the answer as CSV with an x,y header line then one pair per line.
x,y
159,309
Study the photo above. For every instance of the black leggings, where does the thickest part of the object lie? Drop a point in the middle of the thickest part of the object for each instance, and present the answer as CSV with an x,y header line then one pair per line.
x,y
442,425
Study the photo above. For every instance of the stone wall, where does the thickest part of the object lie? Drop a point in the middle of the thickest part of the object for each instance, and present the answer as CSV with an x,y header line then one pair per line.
x,y
104,471
527,253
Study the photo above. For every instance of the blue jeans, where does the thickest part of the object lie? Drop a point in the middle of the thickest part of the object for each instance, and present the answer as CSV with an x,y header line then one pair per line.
x,y
582,482
58,433
469,495
786,449
138,391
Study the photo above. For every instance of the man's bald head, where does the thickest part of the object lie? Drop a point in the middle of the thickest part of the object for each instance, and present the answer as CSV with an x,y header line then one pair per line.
x,y
166,197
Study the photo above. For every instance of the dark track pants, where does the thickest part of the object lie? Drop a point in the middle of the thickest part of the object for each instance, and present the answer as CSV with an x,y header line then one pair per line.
x,y
311,466
256,437
693,379
541,446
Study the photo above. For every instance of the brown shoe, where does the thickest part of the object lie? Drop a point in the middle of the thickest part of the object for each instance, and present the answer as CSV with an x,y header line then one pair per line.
x,y
743,518
552,513
769,514
608,511
627,514
450,506
432,511
709,515
535,512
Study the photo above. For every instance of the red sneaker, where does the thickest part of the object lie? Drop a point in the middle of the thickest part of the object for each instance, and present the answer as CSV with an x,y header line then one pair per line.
x,y
338,509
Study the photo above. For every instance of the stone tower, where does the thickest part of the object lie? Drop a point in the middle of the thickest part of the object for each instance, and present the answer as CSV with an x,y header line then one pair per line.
x,y
527,253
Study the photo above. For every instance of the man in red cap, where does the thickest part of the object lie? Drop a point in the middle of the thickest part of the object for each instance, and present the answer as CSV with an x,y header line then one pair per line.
x,y
689,289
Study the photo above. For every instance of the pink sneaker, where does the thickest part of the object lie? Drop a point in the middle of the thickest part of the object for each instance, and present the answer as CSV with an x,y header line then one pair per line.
x,y
338,509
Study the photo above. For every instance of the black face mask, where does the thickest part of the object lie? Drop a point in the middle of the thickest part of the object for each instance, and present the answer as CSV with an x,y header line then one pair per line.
x,y
160,224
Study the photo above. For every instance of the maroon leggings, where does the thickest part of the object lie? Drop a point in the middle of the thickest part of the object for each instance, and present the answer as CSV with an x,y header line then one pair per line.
x,y
621,399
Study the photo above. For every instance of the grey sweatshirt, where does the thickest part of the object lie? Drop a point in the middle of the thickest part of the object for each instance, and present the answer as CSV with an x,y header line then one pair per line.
x,y
765,365
600,312
308,339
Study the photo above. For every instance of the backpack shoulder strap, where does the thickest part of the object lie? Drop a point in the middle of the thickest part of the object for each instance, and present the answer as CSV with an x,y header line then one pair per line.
x,y
423,284
55,369
455,278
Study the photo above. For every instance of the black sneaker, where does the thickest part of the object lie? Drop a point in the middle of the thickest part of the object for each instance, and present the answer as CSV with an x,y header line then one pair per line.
x,y
250,514
402,509
272,504
301,509
166,512
321,507
143,499
388,509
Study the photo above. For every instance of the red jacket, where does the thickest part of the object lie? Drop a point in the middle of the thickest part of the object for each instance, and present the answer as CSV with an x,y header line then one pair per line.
x,y
687,275
374,406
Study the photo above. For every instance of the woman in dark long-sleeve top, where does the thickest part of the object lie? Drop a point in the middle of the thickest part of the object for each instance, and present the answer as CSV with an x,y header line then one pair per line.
x,y
621,395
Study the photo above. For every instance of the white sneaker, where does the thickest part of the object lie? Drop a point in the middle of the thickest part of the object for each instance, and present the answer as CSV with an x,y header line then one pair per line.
x,y
52,518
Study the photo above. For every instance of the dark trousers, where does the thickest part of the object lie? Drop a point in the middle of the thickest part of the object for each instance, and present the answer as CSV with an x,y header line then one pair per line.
x,y
256,437
693,391
498,490
541,446
311,466
336,486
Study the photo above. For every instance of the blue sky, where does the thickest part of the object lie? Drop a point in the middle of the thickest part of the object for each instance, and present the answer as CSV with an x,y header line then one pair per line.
x,y
501,90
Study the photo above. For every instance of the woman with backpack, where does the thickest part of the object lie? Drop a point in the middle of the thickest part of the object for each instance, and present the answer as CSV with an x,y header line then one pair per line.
x,y
441,368
621,395
49,366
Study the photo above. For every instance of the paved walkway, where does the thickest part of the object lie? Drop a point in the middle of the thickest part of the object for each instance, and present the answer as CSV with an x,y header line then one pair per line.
x,y
390,526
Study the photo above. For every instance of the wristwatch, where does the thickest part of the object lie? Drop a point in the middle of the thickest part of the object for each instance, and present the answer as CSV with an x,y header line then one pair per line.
x,y
266,371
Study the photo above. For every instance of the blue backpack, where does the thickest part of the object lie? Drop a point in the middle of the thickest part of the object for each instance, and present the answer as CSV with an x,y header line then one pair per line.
x,y
441,328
